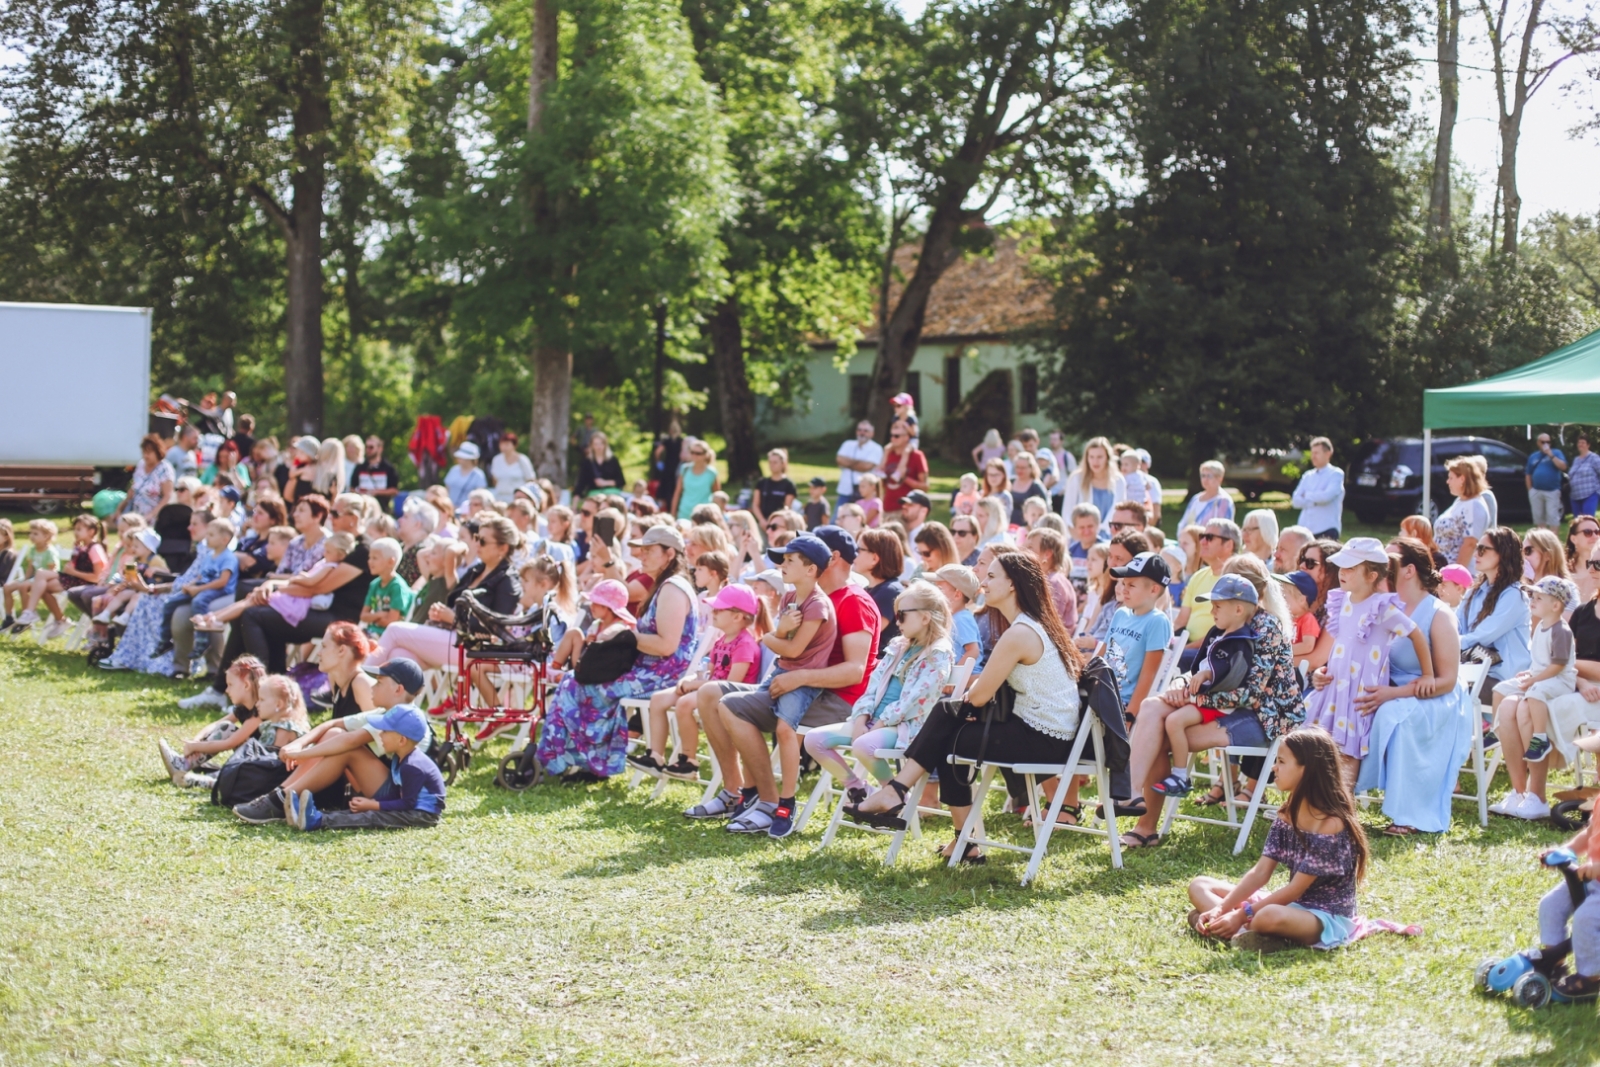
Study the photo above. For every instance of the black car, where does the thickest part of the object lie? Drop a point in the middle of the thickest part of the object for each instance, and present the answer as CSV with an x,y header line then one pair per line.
x,y
1386,481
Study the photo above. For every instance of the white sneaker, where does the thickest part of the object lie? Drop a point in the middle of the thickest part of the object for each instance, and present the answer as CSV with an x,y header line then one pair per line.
x,y
176,765
206,698
124,618
1507,805
104,618
27,618
55,629
1532,808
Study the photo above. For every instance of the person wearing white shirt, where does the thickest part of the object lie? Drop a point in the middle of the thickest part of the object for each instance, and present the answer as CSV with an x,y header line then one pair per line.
x,y
1097,481
856,458
509,469
1142,489
1320,494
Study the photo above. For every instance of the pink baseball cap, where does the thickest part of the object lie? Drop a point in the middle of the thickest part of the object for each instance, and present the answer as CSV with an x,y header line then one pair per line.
x,y
614,595
1458,574
736,598
901,399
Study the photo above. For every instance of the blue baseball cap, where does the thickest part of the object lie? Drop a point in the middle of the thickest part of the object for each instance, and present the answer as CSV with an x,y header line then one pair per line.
x,y
812,548
407,720
1230,587
838,539
404,671
1301,581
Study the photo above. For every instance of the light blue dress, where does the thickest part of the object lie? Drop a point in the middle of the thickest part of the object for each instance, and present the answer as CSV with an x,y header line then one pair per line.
x,y
1505,630
1417,747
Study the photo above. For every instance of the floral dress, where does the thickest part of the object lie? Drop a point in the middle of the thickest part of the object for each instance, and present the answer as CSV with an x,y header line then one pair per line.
x,y
585,726
1362,634
143,635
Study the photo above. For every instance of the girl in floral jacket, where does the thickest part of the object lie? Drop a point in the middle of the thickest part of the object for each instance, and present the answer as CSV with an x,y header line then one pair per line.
x,y
905,685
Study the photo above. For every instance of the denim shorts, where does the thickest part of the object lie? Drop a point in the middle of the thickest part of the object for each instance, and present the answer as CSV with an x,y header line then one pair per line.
x,y
1337,930
1244,729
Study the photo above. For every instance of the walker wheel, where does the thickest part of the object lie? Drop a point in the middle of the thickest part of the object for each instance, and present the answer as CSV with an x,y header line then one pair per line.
x,y
1569,815
1480,976
1532,990
519,771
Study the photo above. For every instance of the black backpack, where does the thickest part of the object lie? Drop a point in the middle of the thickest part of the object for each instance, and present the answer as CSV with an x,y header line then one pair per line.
x,y
253,771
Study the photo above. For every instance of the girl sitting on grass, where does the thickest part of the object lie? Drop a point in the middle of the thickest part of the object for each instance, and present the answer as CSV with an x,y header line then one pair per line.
x,y
268,709
1317,837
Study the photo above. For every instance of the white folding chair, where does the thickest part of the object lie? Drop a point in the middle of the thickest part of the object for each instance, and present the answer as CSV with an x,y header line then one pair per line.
x,y
78,636
1254,808
960,674
1043,828
1474,675
1169,663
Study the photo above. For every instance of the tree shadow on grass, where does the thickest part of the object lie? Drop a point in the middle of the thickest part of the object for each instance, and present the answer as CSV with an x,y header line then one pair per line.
x,y
1570,1029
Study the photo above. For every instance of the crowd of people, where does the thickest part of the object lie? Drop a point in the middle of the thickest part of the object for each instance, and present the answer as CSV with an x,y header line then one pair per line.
x,y
829,630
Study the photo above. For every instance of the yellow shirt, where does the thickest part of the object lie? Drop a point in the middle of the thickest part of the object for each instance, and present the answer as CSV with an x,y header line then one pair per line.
x,y
1199,614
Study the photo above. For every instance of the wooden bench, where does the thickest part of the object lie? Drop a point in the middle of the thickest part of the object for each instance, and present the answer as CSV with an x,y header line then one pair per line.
x,y
45,488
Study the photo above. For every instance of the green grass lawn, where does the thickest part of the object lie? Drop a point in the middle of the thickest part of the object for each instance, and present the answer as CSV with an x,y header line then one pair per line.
x,y
589,926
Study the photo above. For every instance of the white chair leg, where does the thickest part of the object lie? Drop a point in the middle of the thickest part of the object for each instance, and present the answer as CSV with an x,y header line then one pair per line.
x,y
1112,836
1255,799
1042,831
974,823
913,822
823,788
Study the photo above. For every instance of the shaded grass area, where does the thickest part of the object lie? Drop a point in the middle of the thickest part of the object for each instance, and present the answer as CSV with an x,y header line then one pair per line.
x,y
589,926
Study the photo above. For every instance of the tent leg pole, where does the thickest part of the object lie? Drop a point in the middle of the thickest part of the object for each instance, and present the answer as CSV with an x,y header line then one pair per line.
x,y
1427,474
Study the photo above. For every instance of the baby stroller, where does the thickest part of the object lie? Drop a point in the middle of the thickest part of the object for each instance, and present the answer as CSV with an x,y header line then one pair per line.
x,y
520,645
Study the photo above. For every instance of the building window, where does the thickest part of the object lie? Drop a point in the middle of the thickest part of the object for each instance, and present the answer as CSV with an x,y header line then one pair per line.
x,y
860,389
952,383
1030,389
914,387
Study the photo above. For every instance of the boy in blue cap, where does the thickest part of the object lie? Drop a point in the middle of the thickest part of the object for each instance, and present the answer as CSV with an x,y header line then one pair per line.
x,y
403,788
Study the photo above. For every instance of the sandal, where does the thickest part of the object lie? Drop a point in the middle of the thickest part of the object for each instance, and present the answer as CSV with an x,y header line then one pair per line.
x,y
1134,839
1394,829
1132,809
970,857
883,820
1070,811
1212,798
1577,988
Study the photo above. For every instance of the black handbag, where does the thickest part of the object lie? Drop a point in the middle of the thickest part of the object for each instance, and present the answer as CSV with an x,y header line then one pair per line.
x,y
996,709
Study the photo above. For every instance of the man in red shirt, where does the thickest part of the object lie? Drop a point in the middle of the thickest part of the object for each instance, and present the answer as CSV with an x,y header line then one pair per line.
x,y
904,468
735,715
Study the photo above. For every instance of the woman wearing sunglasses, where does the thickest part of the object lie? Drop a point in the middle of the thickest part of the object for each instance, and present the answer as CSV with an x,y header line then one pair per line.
x,y
1582,537
1314,561
1542,556
1494,615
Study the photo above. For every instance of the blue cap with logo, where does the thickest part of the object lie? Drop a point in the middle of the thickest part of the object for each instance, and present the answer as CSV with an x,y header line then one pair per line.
x,y
407,720
1230,587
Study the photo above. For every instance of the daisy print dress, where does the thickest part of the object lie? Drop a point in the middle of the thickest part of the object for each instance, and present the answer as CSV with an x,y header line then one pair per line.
x,y
1362,634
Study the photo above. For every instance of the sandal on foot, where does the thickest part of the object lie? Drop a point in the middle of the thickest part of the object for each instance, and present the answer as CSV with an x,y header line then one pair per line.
x,y
1131,809
1068,811
1212,798
1134,839
1577,988
1394,829
885,820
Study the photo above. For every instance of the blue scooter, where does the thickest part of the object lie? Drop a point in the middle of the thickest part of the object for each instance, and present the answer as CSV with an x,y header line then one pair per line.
x,y
1530,976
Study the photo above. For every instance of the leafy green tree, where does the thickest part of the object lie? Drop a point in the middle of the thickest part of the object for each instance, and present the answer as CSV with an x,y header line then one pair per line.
x,y
1242,296
178,142
800,246
565,233
976,107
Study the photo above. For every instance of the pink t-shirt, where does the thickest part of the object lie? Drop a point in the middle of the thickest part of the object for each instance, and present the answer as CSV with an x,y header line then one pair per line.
x,y
742,649
818,607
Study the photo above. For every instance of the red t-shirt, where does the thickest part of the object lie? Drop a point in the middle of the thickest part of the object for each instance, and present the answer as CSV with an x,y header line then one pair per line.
x,y
1306,626
855,612
916,470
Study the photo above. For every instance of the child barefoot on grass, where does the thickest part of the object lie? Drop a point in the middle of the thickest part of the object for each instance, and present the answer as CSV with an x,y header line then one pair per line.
x,y
735,657
1317,837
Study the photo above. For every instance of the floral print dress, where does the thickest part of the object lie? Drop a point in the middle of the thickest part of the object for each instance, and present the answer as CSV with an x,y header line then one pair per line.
x,y
585,726
1362,634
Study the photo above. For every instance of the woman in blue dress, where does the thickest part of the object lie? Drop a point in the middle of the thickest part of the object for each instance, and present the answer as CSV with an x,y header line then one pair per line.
x,y
1418,743
143,635
585,732
1494,614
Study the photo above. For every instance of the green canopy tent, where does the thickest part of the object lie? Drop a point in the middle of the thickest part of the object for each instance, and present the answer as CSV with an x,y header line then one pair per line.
x,y
1562,387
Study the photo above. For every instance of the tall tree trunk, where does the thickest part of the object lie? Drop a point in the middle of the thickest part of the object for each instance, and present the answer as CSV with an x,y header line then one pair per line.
x,y
1512,101
902,331
734,398
1449,42
552,364
312,119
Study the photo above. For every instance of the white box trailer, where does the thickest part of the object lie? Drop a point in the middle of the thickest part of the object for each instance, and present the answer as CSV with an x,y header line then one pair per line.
x,y
74,396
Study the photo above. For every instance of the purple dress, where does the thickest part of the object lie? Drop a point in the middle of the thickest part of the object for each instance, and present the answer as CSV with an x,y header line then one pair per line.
x,y
1362,634
584,725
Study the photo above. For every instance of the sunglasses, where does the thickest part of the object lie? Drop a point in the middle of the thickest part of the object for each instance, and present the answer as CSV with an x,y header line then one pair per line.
x,y
1483,550
1587,531
963,533
772,526
1118,527
1528,550
1203,537
1592,564
900,615
924,552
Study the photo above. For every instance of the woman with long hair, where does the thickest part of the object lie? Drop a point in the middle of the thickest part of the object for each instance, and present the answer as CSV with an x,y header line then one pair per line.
x,y
1036,657
1419,529
1544,555
1314,561
992,515
1025,485
328,478
934,547
599,470
585,735
997,483
991,449
1417,744
1096,481
1582,537
1494,614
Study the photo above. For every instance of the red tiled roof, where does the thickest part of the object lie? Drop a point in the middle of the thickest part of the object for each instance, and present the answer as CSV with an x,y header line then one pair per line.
x,y
981,295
